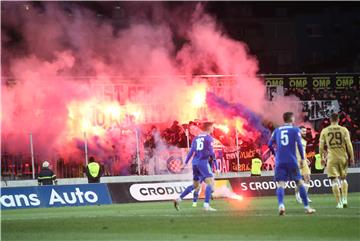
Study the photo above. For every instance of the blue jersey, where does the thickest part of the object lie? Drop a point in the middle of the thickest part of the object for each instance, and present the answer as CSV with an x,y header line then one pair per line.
x,y
203,149
286,138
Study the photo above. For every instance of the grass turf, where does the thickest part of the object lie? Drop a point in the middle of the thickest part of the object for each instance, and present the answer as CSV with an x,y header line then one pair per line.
x,y
250,219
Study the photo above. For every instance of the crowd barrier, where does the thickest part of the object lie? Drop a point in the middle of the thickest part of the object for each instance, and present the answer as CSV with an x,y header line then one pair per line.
x,y
145,191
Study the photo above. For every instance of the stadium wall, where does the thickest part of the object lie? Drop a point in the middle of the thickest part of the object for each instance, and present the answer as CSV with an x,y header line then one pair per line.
x,y
145,191
136,178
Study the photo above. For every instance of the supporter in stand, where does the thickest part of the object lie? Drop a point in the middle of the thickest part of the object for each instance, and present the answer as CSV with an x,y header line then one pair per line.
x,y
349,102
149,143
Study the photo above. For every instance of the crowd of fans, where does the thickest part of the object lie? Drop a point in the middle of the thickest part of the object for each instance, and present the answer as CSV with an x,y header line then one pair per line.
x,y
181,135
349,104
175,135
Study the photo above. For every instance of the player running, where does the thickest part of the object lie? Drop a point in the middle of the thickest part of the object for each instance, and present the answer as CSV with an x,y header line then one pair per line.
x,y
305,170
197,190
339,149
286,138
202,147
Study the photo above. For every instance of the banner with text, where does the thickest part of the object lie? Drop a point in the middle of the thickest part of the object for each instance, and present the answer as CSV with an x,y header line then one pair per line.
x,y
320,109
245,186
246,154
314,81
54,196
265,186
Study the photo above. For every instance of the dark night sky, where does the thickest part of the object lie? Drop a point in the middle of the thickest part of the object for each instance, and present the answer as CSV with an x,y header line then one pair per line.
x,y
234,18
237,19
226,9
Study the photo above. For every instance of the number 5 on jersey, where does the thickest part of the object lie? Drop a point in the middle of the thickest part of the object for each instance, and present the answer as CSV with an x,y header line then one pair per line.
x,y
284,137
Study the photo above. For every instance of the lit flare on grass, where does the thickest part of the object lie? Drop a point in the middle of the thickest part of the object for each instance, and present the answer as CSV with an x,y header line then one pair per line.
x,y
236,197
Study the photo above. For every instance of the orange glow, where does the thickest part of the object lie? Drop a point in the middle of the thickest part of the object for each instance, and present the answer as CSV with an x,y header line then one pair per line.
x,y
79,120
97,117
94,117
239,124
236,197
240,202
112,109
224,128
134,111
199,96
85,125
136,114
199,99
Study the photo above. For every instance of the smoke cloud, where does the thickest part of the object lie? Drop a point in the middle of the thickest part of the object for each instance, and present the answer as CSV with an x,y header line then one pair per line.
x,y
253,122
57,56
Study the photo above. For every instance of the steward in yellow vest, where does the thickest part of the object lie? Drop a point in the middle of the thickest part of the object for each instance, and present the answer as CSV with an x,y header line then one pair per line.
x,y
256,165
93,171
318,165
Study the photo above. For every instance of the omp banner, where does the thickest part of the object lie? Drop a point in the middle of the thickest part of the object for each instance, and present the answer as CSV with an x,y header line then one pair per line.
x,y
313,81
265,186
54,196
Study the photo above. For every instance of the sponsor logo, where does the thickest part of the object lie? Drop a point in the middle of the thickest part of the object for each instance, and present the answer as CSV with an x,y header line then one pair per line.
x,y
51,196
271,185
72,197
20,200
158,191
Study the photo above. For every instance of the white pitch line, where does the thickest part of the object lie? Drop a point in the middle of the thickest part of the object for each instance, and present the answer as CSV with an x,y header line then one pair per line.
x,y
180,214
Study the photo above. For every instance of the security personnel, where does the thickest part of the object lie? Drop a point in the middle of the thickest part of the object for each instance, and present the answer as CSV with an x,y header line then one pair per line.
x,y
93,171
46,175
318,165
256,165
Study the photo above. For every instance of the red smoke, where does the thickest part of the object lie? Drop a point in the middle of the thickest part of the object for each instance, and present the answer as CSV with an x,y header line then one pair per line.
x,y
58,50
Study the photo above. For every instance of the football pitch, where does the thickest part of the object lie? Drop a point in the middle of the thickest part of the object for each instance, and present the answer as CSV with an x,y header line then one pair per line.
x,y
249,219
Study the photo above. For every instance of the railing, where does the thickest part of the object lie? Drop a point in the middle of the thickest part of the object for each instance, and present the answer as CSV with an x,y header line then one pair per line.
x,y
14,167
19,167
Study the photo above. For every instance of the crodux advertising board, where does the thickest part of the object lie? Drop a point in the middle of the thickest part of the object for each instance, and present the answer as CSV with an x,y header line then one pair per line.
x,y
246,186
149,191
95,194
265,186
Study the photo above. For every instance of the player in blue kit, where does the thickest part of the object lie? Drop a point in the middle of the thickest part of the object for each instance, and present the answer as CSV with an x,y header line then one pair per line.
x,y
202,150
286,138
197,190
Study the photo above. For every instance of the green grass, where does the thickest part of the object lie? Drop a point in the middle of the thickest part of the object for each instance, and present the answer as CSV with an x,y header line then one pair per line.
x,y
250,219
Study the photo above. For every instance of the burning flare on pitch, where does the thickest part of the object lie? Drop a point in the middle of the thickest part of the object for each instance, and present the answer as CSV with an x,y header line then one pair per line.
x,y
223,191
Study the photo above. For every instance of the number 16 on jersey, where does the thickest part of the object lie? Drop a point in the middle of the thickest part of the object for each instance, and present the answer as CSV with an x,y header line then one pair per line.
x,y
199,144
